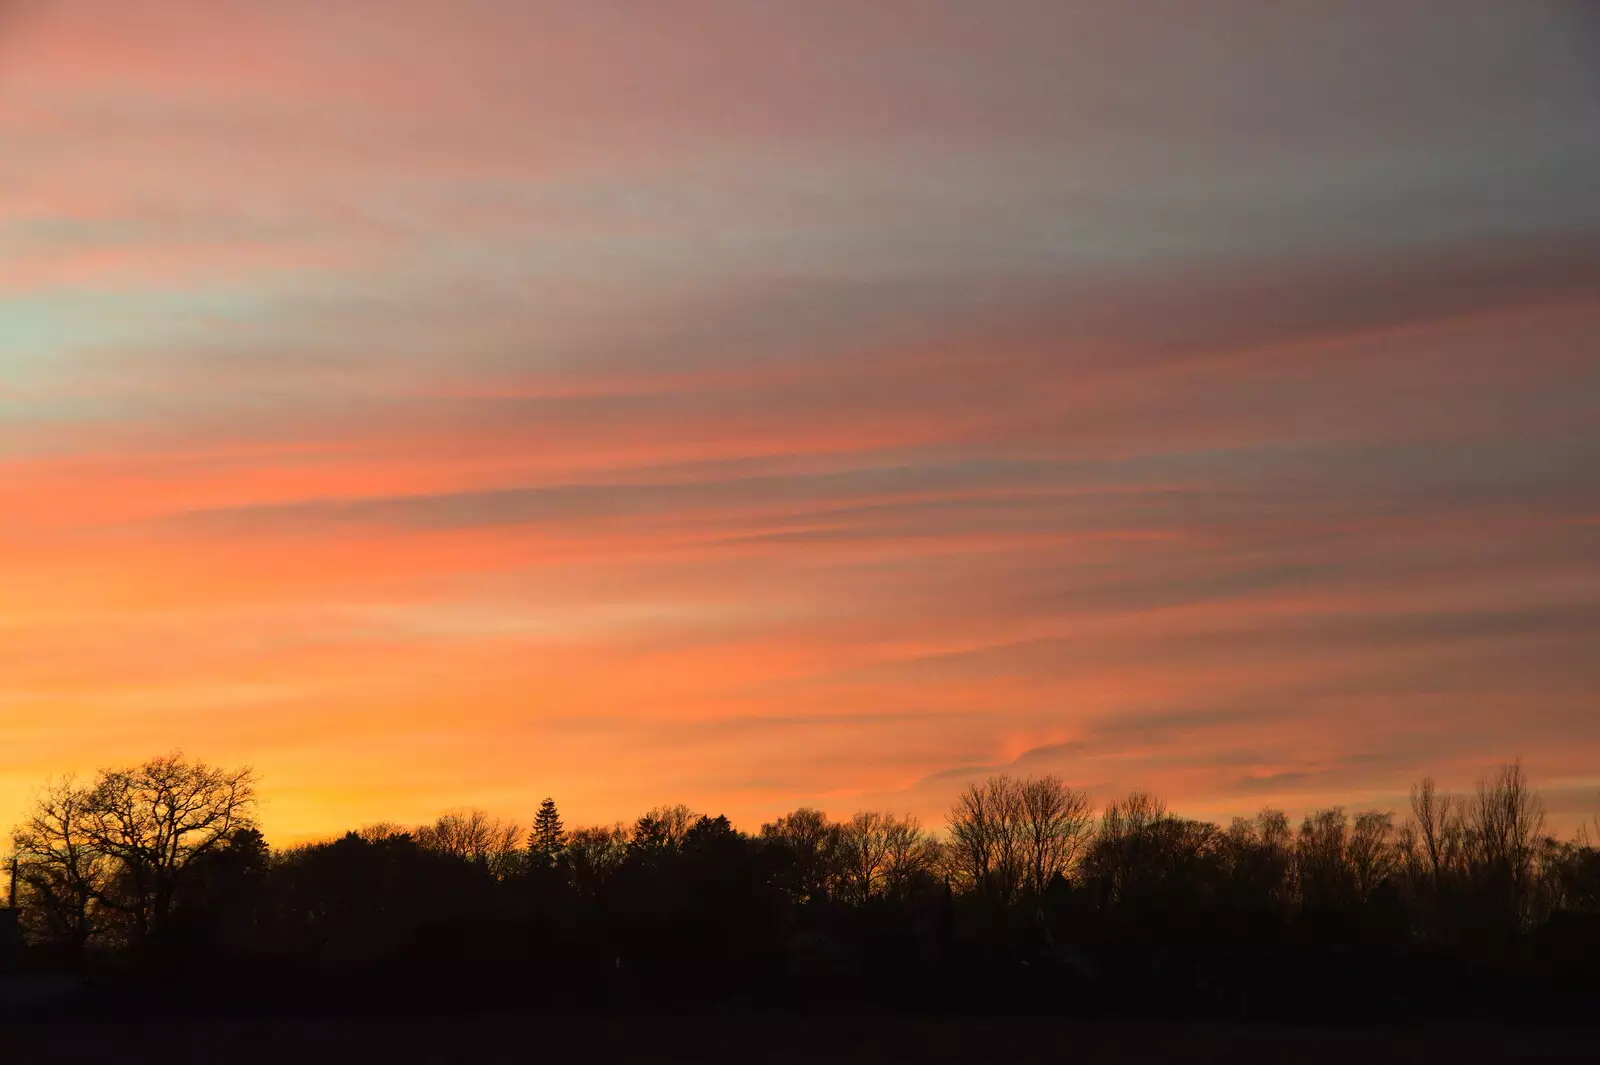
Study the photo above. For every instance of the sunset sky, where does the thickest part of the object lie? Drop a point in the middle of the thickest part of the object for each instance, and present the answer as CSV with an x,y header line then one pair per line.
x,y
439,403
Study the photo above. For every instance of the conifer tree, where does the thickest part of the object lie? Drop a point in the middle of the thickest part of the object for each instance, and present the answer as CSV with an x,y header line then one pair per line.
x,y
548,836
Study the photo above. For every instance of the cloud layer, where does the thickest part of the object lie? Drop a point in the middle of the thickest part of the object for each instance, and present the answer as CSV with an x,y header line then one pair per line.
x,y
810,403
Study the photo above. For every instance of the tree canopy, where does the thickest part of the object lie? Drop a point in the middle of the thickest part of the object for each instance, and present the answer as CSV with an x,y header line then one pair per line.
x,y
1026,899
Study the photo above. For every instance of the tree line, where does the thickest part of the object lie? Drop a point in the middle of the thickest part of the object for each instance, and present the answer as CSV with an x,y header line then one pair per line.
x,y
1029,898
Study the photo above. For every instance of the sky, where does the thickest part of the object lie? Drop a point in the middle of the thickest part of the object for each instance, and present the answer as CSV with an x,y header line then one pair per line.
x,y
440,404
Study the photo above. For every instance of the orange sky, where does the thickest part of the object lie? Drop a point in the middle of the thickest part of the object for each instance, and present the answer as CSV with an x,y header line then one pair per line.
x,y
754,405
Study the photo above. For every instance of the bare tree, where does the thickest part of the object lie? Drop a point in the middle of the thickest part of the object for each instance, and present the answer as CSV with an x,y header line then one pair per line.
x,y
1133,815
1505,824
1439,830
912,855
1124,825
1272,826
378,831
664,826
807,844
1371,852
1258,852
1321,873
971,855
987,838
61,876
1056,823
155,821
881,855
1010,870
593,855
1141,852
1117,857
477,837
863,855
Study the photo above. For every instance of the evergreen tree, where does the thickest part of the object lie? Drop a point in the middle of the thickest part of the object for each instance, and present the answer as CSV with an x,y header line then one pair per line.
x,y
548,836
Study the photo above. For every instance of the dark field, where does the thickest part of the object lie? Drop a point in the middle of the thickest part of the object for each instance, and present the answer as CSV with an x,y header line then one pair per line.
x,y
665,1038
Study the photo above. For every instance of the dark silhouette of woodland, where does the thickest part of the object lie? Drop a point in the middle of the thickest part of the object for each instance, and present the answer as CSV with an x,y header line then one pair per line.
x,y
153,887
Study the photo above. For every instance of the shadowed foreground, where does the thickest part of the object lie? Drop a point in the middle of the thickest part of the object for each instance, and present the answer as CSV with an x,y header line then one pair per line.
x,y
152,894
508,1038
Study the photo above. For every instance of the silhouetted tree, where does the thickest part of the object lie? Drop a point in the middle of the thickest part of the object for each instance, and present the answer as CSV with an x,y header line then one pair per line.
x,y
988,844
805,852
1505,822
912,856
1572,876
1371,852
593,856
1433,849
547,837
1126,855
153,822
1440,831
1057,822
880,855
1322,875
476,837
663,828
1260,859
221,904
62,876
352,902
1466,905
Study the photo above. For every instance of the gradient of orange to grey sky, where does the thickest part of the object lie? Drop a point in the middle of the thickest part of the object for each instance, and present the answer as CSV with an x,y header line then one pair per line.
x,y
454,403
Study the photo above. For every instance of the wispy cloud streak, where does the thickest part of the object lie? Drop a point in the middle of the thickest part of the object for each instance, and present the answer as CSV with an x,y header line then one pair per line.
x,y
824,403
